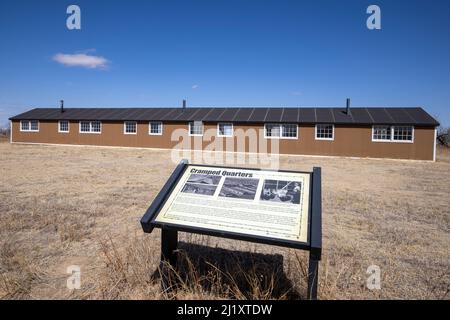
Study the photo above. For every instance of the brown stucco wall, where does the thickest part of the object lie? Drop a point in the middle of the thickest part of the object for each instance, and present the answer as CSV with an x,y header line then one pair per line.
x,y
348,141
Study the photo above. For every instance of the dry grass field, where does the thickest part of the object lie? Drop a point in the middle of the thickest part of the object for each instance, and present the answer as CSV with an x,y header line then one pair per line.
x,y
62,206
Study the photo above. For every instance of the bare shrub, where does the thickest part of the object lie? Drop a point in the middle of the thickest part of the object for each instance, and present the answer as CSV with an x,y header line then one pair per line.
x,y
206,271
443,136
201,273
128,271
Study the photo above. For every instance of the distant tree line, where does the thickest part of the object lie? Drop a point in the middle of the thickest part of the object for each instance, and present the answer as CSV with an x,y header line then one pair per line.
x,y
443,136
5,132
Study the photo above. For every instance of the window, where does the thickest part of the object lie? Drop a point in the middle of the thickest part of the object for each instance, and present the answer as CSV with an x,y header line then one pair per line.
x,y
24,125
155,128
96,126
34,125
392,133
63,126
130,127
272,130
324,132
289,130
85,126
381,133
403,133
225,129
29,125
196,128
285,131
90,127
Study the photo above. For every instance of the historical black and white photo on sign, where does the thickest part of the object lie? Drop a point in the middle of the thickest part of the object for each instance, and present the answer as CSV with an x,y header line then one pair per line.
x,y
201,184
281,191
241,188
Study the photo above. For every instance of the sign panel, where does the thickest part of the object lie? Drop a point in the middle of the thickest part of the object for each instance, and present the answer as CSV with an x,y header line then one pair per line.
x,y
261,203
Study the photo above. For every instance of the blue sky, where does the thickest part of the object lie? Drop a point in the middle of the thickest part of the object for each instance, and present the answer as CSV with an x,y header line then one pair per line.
x,y
226,53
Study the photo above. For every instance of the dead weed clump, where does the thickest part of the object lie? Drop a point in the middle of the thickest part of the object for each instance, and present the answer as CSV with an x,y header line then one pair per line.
x,y
201,273
18,272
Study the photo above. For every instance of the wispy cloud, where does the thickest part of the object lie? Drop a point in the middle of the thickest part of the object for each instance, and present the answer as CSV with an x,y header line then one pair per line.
x,y
296,93
90,50
81,60
195,86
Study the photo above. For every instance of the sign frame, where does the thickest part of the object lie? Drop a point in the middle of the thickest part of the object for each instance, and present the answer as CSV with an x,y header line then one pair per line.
x,y
169,231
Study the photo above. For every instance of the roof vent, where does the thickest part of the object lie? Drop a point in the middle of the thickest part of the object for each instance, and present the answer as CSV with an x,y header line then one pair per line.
x,y
347,110
62,106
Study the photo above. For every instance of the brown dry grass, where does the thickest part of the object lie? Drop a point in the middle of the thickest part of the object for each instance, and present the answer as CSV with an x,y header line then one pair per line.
x,y
62,206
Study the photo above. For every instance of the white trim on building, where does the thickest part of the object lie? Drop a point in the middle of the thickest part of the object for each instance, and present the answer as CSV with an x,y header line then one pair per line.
x,y
391,138
59,126
324,139
281,129
435,145
224,135
195,123
128,125
29,126
160,128
90,127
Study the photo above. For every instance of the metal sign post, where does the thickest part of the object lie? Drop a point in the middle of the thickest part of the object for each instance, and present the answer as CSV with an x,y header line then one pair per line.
x,y
215,188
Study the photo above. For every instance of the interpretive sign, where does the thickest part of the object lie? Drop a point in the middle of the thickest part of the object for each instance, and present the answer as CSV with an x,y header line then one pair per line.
x,y
274,207
255,202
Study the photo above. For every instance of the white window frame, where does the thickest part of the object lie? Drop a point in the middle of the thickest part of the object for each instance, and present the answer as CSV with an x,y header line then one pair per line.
x,y
59,126
21,126
289,138
150,128
402,141
125,127
195,134
265,131
381,140
280,125
224,135
79,127
392,140
90,127
29,126
101,125
324,139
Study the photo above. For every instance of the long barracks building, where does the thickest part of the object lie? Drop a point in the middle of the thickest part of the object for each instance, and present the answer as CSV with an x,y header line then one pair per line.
x,y
397,133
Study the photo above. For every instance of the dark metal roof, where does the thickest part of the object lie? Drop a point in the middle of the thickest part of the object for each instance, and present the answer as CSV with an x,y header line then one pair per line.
x,y
357,116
